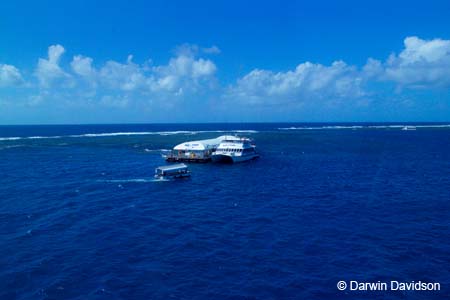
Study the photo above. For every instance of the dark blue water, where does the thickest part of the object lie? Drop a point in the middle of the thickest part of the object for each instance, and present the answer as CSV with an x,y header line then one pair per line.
x,y
81,217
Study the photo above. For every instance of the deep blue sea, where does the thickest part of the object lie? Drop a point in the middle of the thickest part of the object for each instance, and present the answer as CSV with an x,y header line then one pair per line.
x,y
82,218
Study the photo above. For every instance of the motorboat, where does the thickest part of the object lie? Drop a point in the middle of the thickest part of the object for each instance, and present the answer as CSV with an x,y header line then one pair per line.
x,y
235,149
172,171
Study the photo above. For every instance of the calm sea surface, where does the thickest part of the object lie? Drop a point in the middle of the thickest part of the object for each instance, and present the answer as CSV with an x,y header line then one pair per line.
x,y
82,218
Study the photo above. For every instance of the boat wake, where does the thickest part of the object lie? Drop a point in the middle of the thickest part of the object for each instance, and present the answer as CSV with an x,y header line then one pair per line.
x,y
156,150
133,180
12,146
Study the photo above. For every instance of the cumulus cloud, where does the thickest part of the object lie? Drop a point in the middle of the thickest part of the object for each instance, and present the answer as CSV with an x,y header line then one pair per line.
x,y
307,81
373,68
122,76
203,68
117,83
184,73
82,66
9,76
421,64
48,70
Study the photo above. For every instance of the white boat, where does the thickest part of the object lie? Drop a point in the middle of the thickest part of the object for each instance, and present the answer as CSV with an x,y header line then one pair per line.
x,y
234,149
172,171
193,151
409,128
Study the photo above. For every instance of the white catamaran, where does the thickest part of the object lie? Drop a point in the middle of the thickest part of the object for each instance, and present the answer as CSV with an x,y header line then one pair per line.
x,y
234,149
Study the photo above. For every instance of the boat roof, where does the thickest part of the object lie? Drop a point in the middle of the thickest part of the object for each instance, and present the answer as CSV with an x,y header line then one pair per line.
x,y
172,167
204,144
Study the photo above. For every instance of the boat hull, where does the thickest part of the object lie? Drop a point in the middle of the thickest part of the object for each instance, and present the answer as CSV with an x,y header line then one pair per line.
x,y
177,176
187,159
224,158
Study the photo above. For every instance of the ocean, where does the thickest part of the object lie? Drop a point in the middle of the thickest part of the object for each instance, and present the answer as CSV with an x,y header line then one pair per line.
x,y
82,218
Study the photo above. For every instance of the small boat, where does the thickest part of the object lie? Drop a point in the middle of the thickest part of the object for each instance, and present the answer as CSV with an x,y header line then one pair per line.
x,y
172,171
234,149
409,128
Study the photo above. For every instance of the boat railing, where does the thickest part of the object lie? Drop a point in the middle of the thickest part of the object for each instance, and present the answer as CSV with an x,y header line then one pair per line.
x,y
176,154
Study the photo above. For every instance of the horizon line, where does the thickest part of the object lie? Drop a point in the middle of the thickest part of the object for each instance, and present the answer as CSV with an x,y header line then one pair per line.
x,y
256,122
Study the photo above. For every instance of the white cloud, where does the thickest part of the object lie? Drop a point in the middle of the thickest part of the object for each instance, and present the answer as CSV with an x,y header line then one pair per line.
x,y
373,68
82,66
48,70
211,50
418,50
168,82
307,81
9,76
203,68
186,50
118,101
184,73
421,64
125,77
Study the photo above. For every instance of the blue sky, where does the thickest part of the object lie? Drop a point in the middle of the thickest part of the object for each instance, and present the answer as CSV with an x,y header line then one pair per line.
x,y
224,61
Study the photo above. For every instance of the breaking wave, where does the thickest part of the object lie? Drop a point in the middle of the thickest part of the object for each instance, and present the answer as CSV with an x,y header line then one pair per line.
x,y
111,134
362,127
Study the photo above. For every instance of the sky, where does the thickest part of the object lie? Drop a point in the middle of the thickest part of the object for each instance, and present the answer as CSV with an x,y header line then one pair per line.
x,y
77,62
